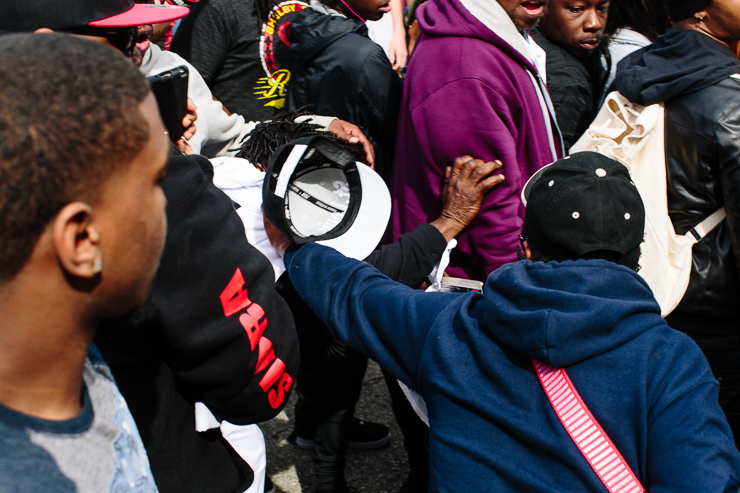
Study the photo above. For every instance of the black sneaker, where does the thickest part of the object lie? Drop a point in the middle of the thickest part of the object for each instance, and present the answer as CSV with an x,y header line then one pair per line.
x,y
269,487
363,435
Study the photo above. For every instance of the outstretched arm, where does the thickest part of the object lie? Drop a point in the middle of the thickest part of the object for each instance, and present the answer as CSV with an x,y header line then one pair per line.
x,y
385,320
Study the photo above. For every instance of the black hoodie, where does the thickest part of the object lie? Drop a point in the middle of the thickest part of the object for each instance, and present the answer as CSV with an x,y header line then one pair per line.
x,y
339,70
214,330
678,62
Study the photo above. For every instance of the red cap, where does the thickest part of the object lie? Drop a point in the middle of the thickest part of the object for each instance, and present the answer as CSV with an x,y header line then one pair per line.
x,y
141,14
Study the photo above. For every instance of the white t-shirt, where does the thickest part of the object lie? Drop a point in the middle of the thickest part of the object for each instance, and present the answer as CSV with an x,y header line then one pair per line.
x,y
242,183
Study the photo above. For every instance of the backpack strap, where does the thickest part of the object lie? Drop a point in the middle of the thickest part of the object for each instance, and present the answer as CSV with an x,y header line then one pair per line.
x,y
707,225
586,432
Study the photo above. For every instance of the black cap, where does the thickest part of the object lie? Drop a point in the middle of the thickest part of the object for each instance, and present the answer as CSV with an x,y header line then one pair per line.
x,y
581,204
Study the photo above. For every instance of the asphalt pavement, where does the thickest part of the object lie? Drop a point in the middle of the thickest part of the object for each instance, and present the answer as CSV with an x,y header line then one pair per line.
x,y
373,471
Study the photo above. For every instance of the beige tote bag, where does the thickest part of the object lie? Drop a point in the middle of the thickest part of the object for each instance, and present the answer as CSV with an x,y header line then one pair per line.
x,y
634,136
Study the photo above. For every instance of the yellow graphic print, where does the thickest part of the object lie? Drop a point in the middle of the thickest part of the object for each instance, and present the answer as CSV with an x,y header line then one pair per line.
x,y
273,87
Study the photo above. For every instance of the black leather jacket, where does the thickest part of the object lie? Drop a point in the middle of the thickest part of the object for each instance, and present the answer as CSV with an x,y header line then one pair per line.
x,y
703,170
693,75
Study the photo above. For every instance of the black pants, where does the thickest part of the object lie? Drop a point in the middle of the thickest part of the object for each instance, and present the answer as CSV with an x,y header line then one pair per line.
x,y
328,387
415,437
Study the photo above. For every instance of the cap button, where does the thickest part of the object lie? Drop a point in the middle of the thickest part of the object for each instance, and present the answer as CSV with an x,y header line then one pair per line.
x,y
600,172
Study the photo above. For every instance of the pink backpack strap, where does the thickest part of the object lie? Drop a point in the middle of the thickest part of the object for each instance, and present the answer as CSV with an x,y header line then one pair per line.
x,y
586,432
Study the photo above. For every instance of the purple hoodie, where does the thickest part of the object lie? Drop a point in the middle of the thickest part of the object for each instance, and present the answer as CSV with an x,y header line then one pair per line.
x,y
469,91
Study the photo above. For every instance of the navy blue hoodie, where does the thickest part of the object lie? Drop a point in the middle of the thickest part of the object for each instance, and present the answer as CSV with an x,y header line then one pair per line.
x,y
468,355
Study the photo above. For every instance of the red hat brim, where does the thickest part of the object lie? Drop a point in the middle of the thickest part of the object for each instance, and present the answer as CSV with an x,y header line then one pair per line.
x,y
142,14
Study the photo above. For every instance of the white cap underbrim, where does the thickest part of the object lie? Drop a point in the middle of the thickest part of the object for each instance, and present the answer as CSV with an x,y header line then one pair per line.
x,y
371,221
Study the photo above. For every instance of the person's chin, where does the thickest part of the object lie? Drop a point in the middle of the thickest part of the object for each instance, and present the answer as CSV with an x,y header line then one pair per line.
x,y
376,16
526,23
584,50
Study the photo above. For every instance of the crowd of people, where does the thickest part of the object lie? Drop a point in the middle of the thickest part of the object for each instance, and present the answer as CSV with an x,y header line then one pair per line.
x,y
347,180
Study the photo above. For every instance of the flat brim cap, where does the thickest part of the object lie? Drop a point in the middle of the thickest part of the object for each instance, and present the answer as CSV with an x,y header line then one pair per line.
x,y
368,208
64,15
141,14
583,203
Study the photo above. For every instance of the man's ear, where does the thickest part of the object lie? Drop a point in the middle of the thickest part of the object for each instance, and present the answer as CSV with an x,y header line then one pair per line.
x,y
699,16
527,251
77,241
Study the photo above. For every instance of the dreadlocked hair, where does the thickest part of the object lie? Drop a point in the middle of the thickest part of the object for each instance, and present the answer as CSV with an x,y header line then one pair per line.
x,y
259,145
263,8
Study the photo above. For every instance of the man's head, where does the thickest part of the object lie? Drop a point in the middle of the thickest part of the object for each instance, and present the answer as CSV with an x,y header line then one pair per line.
x,y
576,25
525,14
261,143
584,206
82,150
110,22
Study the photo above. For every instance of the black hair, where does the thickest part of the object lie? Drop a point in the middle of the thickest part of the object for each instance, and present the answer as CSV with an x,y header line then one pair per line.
x,y
647,17
630,260
259,144
69,119
262,9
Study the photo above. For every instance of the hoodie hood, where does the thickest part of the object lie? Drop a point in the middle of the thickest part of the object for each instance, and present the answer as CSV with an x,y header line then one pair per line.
x,y
594,306
678,62
313,30
481,19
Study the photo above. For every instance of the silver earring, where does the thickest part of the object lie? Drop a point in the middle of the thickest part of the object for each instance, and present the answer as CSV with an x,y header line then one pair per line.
x,y
97,265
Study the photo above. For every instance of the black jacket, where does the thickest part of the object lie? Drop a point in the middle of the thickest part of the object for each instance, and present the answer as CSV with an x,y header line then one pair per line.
x,y
212,310
339,70
570,90
691,73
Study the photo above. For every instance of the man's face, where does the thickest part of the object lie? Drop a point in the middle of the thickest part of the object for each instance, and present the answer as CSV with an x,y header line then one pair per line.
x,y
131,215
524,13
576,25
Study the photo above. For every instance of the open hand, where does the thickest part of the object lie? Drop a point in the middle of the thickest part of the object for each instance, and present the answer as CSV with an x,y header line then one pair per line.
x,y
466,183
352,133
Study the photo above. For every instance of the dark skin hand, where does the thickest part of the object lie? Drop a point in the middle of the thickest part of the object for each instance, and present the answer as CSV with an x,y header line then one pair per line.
x,y
467,181
188,124
352,133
